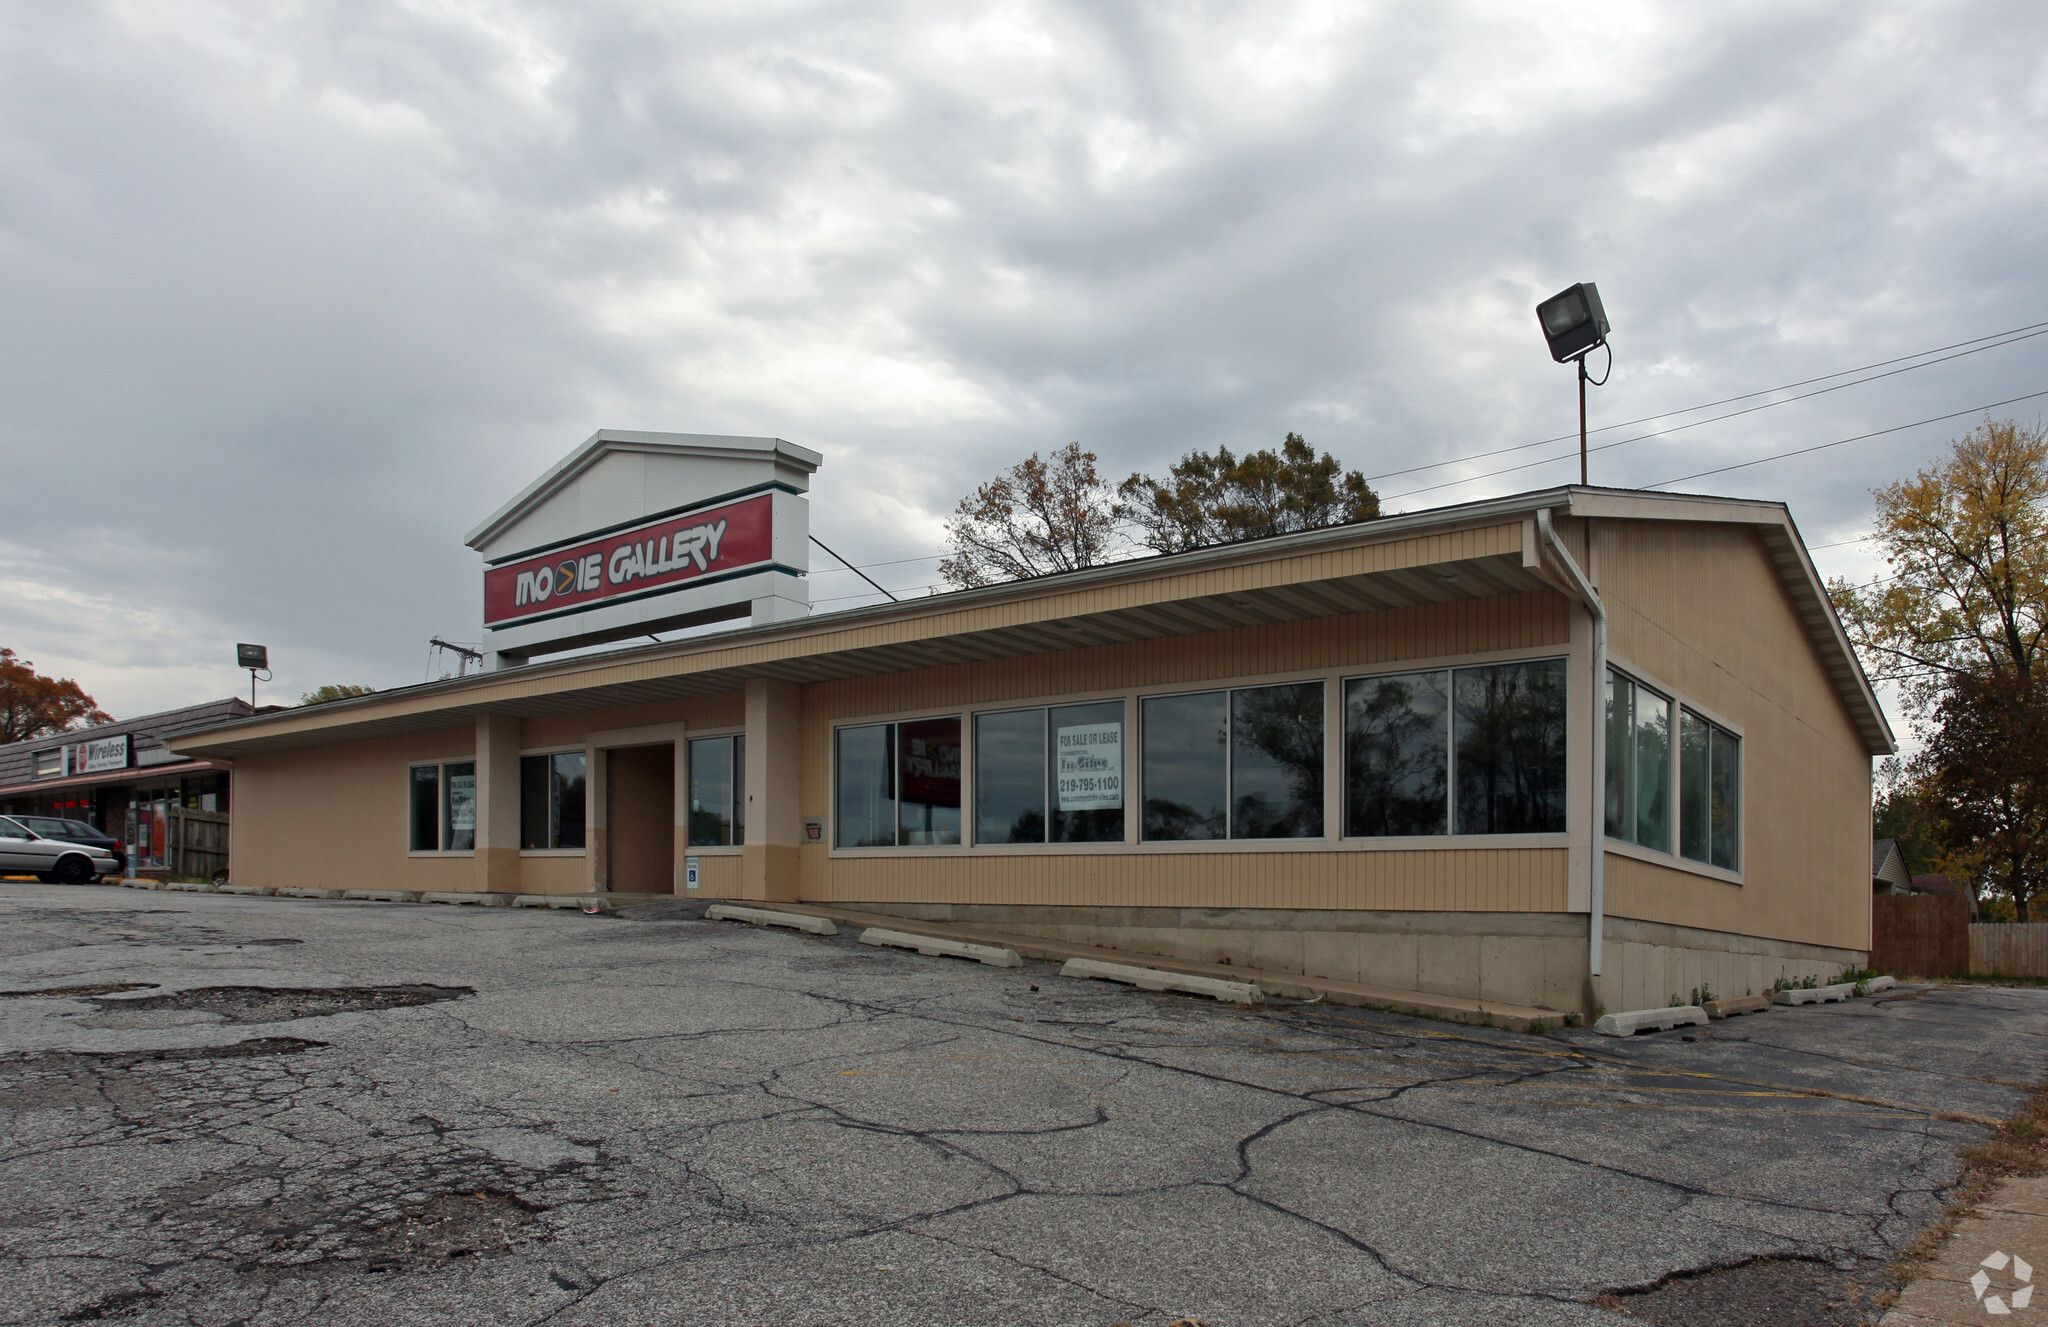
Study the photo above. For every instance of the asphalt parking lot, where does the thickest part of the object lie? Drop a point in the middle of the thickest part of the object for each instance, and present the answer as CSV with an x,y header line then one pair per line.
x,y
265,1111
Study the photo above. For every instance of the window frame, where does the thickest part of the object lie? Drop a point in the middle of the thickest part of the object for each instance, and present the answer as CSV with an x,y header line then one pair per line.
x,y
893,723
739,792
1674,858
440,768
563,749
1333,679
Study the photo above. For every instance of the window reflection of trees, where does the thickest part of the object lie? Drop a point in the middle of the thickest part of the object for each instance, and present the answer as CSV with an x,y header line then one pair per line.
x,y
1397,750
1510,748
1277,762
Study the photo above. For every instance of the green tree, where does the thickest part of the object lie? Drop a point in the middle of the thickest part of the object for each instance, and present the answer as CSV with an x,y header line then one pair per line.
x,y
33,706
1042,515
334,691
1219,498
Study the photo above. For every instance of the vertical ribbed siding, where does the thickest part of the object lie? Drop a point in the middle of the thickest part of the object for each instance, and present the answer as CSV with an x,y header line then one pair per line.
x,y
1446,880
1699,608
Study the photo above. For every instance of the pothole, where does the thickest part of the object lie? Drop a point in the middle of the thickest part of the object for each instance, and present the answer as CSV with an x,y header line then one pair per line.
x,y
282,1004
72,992
1786,1292
485,1224
58,1080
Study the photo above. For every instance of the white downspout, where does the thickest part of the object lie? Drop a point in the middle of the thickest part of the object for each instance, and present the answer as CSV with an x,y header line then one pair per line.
x,y
1597,922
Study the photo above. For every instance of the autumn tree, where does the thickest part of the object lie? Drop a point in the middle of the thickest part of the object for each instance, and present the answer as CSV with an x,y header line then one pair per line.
x,y
334,691
1966,541
33,706
1042,515
1986,765
1217,498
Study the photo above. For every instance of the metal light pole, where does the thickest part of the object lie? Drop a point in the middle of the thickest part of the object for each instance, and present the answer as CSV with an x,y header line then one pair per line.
x,y
255,658
1575,326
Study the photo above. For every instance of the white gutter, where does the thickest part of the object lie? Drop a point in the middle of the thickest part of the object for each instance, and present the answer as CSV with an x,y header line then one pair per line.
x,y
1596,925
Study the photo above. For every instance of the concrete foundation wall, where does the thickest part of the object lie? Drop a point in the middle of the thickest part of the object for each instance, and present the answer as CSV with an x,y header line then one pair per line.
x,y
1519,958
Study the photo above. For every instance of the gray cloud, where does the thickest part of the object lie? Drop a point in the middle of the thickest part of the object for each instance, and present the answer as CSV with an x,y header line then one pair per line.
x,y
297,294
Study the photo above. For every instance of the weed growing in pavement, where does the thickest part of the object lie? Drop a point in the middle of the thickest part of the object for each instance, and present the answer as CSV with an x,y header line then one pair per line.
x,y
1702,993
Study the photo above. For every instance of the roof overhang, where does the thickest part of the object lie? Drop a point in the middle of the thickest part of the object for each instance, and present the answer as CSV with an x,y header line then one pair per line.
x,y
1472,551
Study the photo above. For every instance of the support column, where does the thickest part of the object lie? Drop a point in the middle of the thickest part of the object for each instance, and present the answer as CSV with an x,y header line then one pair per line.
x,y
770,865
497,804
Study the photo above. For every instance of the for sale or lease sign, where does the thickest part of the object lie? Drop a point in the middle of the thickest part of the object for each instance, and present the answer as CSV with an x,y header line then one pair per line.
x,y
1090,774
658,554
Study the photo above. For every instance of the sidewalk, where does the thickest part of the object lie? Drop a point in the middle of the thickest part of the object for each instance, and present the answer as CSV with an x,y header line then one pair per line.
x,y
2010,1230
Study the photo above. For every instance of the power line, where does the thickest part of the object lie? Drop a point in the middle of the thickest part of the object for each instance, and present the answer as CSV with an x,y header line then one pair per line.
x,y
2030,331
1821,447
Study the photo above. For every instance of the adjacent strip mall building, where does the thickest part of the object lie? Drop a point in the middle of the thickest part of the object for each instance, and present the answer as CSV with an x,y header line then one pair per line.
x,y
1574,749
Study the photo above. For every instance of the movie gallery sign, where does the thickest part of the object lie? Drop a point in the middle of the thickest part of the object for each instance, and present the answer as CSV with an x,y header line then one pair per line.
x,y
671,551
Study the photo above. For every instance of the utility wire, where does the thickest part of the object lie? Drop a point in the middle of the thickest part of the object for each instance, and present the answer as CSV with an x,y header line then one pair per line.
x,y
2016,334
855,570
1840,442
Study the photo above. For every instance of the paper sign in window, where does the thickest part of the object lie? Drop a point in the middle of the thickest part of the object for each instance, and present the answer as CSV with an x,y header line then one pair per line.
x,y
1090,771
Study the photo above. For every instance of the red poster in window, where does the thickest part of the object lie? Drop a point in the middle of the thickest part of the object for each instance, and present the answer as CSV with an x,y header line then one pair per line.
x,y
931,761
707,544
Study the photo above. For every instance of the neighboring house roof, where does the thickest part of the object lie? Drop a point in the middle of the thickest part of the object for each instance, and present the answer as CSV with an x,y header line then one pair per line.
x,y
1441,555
1888,864
1935,884
145,733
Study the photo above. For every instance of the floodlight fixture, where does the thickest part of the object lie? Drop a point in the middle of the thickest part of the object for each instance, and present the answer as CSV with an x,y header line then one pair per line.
x,y
1573,321
255,658
1575,325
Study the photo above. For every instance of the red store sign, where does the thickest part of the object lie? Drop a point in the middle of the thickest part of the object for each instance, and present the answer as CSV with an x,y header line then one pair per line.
x,y
672,551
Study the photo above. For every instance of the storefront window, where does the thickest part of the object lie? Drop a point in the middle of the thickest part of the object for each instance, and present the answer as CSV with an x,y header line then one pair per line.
x,y
899,784
1709,792
1009,777
426,808
1638,763
1477,750
1397,749
1240,764
866,779
718,798
551,800
459,815
928,800
1087,755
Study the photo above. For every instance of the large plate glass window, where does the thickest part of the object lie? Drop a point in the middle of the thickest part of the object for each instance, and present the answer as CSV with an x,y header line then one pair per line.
x,y
1473,750
1246,763
1638,763
1009,777
551,800
426,808
1709,792
898,784
442,800
1050,775
718,797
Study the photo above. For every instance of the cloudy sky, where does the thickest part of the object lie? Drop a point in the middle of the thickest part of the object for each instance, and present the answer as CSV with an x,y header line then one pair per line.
x,y
292,294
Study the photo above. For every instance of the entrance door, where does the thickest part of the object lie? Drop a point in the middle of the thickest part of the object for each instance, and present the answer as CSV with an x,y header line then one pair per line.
x,y
640,817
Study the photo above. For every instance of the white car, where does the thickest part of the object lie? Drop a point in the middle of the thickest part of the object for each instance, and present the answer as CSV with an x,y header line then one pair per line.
x,y
52,861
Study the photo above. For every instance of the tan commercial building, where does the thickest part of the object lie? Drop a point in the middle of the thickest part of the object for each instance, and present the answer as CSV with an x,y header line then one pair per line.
x,y
1573,749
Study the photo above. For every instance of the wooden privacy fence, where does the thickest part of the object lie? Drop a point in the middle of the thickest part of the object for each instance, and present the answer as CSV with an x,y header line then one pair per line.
x,y
2009,949
1922,935
199,843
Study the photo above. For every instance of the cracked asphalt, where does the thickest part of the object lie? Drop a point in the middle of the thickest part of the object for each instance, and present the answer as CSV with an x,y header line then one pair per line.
x,y
226,1110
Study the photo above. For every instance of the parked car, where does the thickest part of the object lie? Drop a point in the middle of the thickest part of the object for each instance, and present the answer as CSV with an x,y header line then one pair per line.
x,y
77,831
53,861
